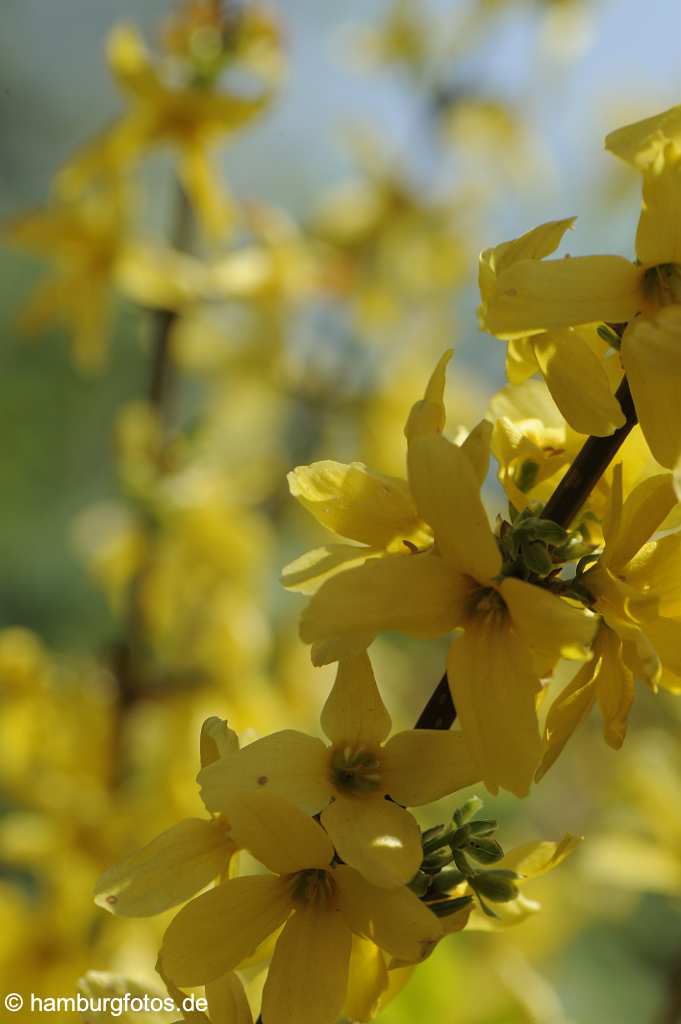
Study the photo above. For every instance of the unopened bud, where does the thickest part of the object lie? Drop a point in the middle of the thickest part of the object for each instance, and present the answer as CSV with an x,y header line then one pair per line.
x,y
485,851
419,884
467,810
436,859
497,886
446,907
447,879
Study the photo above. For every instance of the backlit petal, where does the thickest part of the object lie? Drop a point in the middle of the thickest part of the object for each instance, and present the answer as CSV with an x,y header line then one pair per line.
x,y
643,513
644,141
394,919
354,714
568,711
447,492
307,979
287,763
227,1002
170,869
421,765
427,416
378,838
533,245
416,594
658,239
578,382
217,930
494,689
651,356
354,502
549,625
535,295
277,833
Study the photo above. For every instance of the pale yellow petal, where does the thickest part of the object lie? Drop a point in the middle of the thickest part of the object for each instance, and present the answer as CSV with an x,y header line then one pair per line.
x,y
533,245
651,356
427,416
227,1002
217,930
307,979
129,60
533,296
614,687
643,513
657,567
288,763
354,714
477,448
206,190
307,573
494,689
665,636
367,981
216,740
521,362
643,142
421,765
537,858
277,833
578,382
417,594
567,712
354,502
549,625
658,239
447,493
170,869
378,838
394,919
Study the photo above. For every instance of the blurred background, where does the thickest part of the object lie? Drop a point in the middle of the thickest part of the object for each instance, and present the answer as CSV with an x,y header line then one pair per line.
x,y
145,515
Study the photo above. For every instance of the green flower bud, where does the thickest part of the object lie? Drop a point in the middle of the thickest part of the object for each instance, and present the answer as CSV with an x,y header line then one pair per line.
x,y
536,557
447,879
527,475
446,907
436,860
496,886
419,884
467,810
483,827
485,851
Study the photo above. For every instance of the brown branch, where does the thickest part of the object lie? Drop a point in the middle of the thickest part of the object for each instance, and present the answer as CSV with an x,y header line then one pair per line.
x,y
573,490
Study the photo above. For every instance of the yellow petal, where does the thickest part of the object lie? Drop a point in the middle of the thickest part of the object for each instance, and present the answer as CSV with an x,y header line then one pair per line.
x,y
307,979
421,765
170,869
129,60
356,503
658,239
447,493
494,690
367,981
521,362
568,711
644,141
354,714
394,919
227,1002
217,740
534,859
665,636
651,356
658,567
533,245
307,573
158,277
643,513
427,417
205,190
534,296
217,930
288,763
476,446
614,687
416,594
378,838
549,625
277,833
578,382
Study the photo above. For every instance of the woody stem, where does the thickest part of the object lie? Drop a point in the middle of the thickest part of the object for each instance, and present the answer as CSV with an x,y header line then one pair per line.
x,y
562,507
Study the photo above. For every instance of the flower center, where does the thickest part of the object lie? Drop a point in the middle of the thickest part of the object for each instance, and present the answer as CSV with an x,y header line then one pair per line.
x,y
485,603
313,887
355,770
662,284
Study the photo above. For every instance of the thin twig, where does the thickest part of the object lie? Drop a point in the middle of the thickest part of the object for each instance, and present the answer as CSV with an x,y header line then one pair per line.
x,y
573,490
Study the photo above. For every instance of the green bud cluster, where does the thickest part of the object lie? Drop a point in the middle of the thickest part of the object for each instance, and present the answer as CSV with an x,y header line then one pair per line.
x,y
530,544
462,851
